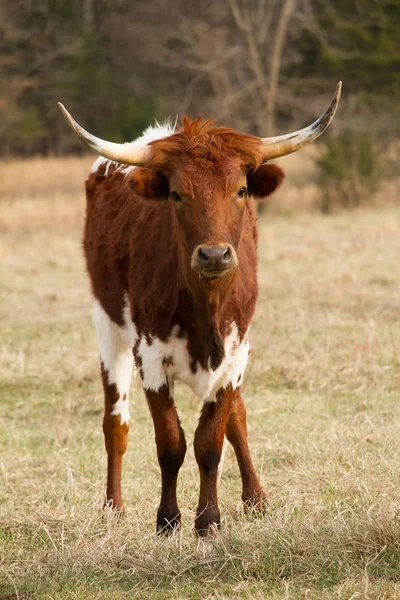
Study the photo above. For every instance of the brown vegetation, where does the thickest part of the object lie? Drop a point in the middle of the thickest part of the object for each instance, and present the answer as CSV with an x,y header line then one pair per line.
x,y
322,393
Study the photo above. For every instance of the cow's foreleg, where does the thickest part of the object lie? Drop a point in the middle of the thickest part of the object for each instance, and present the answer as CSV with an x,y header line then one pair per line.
x,y
116,370
208,441
236,432
171,449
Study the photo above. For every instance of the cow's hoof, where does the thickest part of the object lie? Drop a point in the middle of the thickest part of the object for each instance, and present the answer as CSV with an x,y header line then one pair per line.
x,y
207,521
168,521
255,501
117,508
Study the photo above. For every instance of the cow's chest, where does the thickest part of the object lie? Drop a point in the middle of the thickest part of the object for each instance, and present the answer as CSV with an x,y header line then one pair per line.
x,y
162,363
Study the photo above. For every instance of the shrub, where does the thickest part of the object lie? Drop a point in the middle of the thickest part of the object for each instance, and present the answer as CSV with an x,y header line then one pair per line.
x,y
349,171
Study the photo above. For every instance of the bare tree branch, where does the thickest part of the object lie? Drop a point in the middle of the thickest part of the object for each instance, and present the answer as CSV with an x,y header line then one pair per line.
x,y
275,64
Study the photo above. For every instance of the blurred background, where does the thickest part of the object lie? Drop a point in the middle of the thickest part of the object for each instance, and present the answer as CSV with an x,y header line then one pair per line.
x,y
262,66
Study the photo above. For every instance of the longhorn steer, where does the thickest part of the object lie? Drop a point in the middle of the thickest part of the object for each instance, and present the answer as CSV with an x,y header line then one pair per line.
x,y
171,249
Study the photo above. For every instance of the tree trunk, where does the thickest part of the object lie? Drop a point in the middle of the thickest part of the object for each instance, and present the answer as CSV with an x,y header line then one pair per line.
x,y
88,12
275,65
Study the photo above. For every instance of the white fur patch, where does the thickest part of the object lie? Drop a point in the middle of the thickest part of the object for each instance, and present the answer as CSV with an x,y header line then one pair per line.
x,y
121,407
152,133
115,344
165,362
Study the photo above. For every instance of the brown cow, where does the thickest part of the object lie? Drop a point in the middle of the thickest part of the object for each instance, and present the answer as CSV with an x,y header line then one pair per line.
x,y
171,250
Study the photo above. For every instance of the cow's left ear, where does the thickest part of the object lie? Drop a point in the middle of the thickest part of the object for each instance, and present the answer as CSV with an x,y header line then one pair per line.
x,y
264,181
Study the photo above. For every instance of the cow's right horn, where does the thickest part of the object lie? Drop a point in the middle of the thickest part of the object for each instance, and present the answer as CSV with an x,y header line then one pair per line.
x,y
126,154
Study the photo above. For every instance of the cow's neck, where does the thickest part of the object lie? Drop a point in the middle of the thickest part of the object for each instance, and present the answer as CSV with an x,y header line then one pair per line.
x,y
204,318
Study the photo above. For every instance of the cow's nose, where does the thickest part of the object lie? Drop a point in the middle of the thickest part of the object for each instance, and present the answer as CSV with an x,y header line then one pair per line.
x,y
215,258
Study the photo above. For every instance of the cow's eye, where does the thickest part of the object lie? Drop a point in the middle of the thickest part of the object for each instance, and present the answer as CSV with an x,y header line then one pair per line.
x,y
175,196
242,192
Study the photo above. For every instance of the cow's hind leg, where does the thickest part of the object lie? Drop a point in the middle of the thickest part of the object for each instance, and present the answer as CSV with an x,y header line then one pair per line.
x,y
116,370
171,449
208,441
236,432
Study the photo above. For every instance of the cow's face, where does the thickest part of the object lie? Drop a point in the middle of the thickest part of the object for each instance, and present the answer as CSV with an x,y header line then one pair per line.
x,y
210,197
210,200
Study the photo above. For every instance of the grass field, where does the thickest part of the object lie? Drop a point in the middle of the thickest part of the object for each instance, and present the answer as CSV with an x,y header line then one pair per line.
x,y
322,390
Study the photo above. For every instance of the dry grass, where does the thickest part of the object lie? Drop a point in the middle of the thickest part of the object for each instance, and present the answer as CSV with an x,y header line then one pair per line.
x,y
322,392
41,193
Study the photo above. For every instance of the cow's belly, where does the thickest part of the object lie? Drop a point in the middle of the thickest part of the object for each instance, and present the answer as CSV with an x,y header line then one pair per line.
x,y
162,363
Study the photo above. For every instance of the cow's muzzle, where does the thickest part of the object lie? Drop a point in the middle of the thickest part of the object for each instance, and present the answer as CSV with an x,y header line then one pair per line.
x,y
214,261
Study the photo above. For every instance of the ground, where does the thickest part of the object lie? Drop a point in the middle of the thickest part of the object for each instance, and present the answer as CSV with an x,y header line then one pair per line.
x,y
322,391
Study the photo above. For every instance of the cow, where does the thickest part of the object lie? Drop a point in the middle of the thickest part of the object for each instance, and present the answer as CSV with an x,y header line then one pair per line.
x,y
170,242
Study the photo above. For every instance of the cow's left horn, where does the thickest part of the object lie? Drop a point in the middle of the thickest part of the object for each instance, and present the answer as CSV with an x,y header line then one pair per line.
x,y
126,154
281,145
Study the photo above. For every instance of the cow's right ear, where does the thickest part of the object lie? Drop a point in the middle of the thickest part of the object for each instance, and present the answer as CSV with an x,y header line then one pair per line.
x,y
149,184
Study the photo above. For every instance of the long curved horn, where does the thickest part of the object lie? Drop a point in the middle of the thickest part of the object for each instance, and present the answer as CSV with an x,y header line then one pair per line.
x,y
282,145
126,154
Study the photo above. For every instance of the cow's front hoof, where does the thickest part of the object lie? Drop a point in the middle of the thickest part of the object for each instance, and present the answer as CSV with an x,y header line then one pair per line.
x,y
116,506
168,521
255,501
207,521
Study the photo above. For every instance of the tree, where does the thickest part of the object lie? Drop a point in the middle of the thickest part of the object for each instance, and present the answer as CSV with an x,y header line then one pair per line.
x,y
262,66
360,39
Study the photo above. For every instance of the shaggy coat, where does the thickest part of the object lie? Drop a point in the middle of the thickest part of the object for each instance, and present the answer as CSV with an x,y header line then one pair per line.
x,y
147,232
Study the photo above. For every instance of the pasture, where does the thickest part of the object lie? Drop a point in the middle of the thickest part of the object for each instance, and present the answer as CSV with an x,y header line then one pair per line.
x,y
322,390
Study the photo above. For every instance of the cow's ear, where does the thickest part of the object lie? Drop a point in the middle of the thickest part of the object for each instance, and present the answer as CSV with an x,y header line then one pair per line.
x,y
264,181
149,184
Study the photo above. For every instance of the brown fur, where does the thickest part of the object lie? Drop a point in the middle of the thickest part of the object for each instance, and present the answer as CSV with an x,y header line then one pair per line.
x,y
135,245
116,440
171,449
139,242
204,141
208,441
236,432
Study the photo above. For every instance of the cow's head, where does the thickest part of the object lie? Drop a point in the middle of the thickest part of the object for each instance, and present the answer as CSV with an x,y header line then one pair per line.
x,y
208,174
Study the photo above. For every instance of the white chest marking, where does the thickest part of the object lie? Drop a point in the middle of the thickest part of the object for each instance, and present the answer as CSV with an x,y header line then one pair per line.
x,y
165,362
161,362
